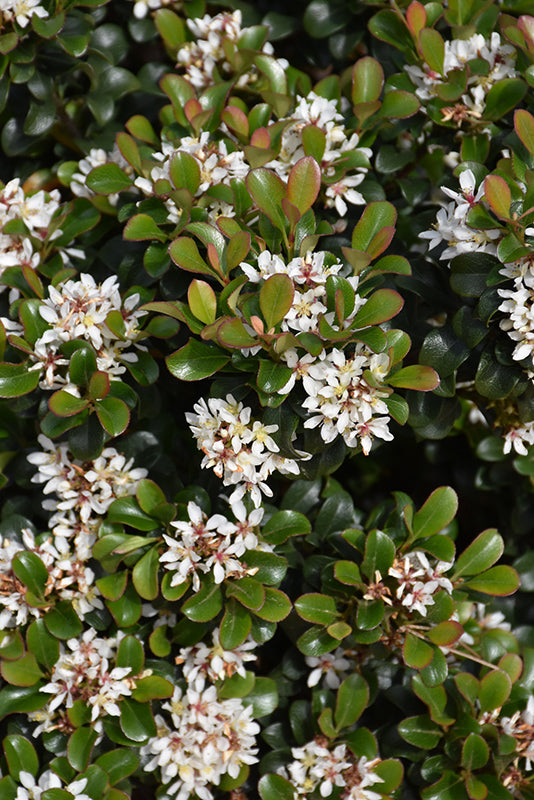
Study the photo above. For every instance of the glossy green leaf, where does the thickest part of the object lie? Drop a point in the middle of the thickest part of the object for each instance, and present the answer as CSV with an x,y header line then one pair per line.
x,y
118,764
475,752
500,581
379,554
65,404
80,746
248,591
267,191
235,625
142,227
205,604
202,301
303,183
196,360
31,571
276,298
17,380
498,196
20,755
420,732
276,606
62,621
108,179
136,720
416,376
351,701
481,554
275,787
416,652
318,608
380,307
113,414
494,690
436,513
23,671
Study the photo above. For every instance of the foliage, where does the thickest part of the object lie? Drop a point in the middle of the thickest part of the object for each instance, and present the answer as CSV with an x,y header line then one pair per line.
x,y
298,240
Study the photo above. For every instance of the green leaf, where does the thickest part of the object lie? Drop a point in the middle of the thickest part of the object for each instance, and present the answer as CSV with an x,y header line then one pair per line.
x,y
82,365
114,415
127,609
370,614
248,591
270,568
196,361
267,190
303,183
316,642
498,196
263,697
126,510
416,376
142,227
415,652
276,298
80,746
284,524
494,690
503,96
202,301
367,80
376,216
524,127
318,608
470,273
31,571
205,604
21,672
475,752
380,307
398,104
347,572
420,732
500,581
481,554
108,179
119,763
446,633
351,701
152,687
379,554
272,376
20,755
65,404
42,644
17,380
275,787
276,607
130,654
235,625
185,172
20,700
437,512
136,720
62,621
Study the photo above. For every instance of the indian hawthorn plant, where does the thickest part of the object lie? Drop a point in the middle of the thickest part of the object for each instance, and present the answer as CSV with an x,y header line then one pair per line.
x,y
266,400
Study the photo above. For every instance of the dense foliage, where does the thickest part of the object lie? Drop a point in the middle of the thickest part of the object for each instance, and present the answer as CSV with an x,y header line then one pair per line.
x,y
266,400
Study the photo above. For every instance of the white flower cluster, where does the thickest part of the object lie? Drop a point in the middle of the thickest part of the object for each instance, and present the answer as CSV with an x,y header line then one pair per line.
x,y
97,157
30,789
519,437
419,581
518,304
201,663
82,672
21,11
342,402
78,310
521,727
458,54
241,451
68,579
36,212
84,491
202,58
213,545
308,274
218,166
331,666
210,738
315,766
451,223
324,115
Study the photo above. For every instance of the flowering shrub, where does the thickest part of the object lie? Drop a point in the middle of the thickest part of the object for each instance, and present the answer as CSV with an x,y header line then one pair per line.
x,y
300,241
